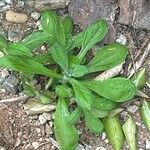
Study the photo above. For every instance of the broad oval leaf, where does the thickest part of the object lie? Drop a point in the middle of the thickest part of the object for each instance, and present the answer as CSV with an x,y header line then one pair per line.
x,y
114,132
83,95
115,89
27,65
93,123
36,39
79,71
108,57
90,36
3,43
65,133
18,49
103,103
145,114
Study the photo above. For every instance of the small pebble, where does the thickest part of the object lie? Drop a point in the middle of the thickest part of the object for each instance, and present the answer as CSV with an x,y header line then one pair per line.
x,y
16,17
2,3
2,148
100,148
48,129
35,15
47,116
42,119
121,39
103,135
132,109
8,1
35,145
147,144
18,142
20,4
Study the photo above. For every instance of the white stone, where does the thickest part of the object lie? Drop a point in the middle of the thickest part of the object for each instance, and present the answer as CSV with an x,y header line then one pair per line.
x,y
35,145
100,148
147,144
133,108
35,15
42,119
2,148
103,135
121,39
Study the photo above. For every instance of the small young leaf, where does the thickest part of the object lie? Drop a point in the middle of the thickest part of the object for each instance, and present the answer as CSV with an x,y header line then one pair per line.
x,y
79,71
44,99
103,103
145,114
83,95
115,89
93,123
75,116
63,91
59,55
129,129
27,65
114,132
44,58
52,25
68,25
73,61
18,49
90,36
98,112
35,39
65,133
3,43
139,79
108,57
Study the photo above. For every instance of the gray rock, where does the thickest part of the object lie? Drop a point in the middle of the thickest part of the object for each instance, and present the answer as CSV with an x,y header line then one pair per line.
x,y
48,4
2,3
35,15
20,4
5,8
10,84
3,74
135,13
85,12
121,39
47,116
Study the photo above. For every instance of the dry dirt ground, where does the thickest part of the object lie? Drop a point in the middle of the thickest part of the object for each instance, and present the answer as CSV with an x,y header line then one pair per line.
x,y
18,131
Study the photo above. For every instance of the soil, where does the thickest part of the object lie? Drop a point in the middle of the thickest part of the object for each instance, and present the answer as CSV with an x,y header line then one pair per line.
x,y
18,131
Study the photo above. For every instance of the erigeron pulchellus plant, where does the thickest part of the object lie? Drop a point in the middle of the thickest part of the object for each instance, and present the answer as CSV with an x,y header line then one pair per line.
x,y
67,70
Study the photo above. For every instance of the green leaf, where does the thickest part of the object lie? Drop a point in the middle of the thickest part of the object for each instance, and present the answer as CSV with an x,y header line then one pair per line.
x,y
3,43
108,57
65,133
64,91
129,129
103,103
59,55
73,61
68,25
27,65
114,132
36,39
90,36
83,95
79,71
98,112
52,25
115,89
18,49
145,114
44,58
139,79
93,123
75,116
